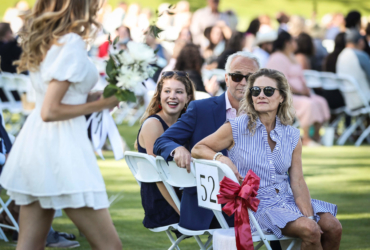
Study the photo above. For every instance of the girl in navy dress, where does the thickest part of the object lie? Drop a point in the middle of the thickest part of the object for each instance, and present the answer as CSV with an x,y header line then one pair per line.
x,y
174,92
263,140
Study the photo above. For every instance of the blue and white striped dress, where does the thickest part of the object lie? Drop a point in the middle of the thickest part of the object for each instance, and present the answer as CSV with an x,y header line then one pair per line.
x,y
253,152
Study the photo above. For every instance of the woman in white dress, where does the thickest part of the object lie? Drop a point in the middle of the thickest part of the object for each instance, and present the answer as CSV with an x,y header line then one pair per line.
x,y
52,164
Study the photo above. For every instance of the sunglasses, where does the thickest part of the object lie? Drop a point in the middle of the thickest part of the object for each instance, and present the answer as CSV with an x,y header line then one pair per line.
x,y
268,91
171,73
239,77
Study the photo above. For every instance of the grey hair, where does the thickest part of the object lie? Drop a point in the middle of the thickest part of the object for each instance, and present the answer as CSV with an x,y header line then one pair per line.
x,y
245,54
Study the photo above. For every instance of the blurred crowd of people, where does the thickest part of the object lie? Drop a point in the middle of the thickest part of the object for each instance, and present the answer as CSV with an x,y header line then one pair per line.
x,y
200,42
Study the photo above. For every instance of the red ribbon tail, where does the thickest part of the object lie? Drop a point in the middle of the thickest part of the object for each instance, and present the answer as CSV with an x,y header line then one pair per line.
x,y
243,234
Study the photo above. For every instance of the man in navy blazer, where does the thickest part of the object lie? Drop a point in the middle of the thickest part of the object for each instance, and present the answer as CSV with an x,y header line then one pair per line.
x,y
202,118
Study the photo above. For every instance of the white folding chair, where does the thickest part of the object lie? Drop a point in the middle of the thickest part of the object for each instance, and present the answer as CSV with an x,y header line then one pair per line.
x,y
329,82
143,167
199,95
179,177
4,207
312,78
258,236
357,106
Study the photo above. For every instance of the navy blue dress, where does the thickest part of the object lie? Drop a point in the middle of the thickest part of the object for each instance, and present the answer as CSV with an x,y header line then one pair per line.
x,y
158,212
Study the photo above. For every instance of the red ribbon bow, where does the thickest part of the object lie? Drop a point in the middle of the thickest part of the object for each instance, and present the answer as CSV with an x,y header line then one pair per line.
x,y
238,199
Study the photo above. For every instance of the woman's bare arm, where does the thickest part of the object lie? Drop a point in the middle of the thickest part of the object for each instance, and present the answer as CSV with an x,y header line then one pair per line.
x,y
216,142
298,184
54,110
152,129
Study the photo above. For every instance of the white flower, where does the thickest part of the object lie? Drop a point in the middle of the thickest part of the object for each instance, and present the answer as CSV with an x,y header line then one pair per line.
x,y
126,58
141,52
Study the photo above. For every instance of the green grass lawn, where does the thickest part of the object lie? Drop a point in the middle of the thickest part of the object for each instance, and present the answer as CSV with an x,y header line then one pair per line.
x,y
339,175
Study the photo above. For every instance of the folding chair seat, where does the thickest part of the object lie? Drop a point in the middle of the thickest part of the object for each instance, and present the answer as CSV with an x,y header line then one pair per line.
x,y
357,106
258,236
4,207
143,167
179,177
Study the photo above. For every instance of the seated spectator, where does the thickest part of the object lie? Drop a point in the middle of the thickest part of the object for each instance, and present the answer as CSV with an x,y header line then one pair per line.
x,y
162,55
233,45
283,20
320,52
333,97
264,42
191,61
305,50
251,34
263,140
179,45
310,109
174,93
10,51
330,61
217,37
355,62
206,17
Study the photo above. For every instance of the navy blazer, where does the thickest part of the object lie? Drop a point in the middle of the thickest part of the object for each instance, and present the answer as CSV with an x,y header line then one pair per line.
x,y
202,118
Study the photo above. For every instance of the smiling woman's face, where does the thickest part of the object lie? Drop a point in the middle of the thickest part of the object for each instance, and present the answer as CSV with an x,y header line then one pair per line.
x,y
173,96
262,103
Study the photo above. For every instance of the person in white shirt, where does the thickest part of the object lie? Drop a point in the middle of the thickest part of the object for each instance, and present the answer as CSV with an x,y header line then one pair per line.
x,y
264,42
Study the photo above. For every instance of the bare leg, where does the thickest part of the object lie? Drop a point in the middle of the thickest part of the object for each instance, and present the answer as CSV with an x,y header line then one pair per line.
x,y
306,136
162,188
307,230
97,226
332,231
34,225
316,135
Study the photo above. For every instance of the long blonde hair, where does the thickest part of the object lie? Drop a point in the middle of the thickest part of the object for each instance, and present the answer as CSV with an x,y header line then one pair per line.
x,y
285,110
48,21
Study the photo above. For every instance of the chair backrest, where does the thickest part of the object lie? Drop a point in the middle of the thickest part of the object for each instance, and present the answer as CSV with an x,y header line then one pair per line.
x,y
312,78
353,96
329,80
142,166
199,95
222,170
173,175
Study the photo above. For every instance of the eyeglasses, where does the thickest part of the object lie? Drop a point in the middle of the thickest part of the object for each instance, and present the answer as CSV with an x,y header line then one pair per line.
x,y
238,77
171,73
268,91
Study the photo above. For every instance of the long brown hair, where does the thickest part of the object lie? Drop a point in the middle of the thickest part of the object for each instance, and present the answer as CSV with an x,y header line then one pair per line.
x,y
285,110
153,107
48,21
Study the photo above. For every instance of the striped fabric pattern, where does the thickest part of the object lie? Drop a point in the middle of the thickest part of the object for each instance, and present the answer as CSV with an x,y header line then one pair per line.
x,y
253,152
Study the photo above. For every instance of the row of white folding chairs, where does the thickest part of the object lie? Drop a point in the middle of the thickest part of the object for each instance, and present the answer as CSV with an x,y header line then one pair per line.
x,y
146,168
356,103
12,87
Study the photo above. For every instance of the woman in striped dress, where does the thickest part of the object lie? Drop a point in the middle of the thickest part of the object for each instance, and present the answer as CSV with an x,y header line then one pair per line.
x,y
263,140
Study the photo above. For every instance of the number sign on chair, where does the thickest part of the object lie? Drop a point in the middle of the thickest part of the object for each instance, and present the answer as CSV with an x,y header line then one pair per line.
x,y
207,184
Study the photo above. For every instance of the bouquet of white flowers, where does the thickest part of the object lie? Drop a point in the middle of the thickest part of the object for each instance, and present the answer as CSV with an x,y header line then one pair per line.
x,y
127,69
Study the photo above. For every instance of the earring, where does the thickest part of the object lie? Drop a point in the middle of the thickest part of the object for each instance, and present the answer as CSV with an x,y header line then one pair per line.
x,y
184,109
159,106
280,103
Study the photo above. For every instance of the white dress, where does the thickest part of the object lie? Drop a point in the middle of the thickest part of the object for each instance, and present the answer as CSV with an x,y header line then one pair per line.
x,y
53,162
